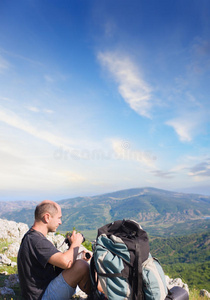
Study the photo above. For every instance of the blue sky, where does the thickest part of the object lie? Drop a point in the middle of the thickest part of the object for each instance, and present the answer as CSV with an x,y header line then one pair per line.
x,y
97,96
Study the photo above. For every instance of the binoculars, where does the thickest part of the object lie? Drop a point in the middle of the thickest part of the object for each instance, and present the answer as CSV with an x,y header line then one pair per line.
x,y
68,235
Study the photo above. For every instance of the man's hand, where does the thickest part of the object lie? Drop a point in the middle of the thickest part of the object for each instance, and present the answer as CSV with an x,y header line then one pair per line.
x,y
86,255
76,238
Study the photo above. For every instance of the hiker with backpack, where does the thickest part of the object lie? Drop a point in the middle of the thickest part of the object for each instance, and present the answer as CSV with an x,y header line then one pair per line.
x,y
121,267
37,257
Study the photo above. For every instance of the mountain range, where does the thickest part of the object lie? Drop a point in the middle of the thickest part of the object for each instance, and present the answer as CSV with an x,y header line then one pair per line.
x,y
160,212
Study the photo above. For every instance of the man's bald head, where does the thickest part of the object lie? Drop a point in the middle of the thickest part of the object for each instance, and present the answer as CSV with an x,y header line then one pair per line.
x,y
46,206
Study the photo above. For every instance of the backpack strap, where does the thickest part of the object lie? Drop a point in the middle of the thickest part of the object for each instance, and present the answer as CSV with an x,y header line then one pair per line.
x,y
110,275
93,278
94,294
137,276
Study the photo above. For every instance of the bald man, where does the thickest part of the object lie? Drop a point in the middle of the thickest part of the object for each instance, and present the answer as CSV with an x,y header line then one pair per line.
x,y
38,257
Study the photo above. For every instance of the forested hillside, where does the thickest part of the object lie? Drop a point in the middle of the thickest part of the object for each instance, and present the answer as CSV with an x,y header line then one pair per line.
x,y
187,257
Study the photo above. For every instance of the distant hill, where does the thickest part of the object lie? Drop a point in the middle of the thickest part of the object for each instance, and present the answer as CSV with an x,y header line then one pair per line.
x,y
160,212
8,207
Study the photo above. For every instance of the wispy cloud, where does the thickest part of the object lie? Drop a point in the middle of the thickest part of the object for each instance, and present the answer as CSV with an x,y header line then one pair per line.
x,y
33,108
14,120
28,171
4,64
5,99
188,125
162,174
37,110
109,28
132,87
16,55
201,47
124,151
48,111
49,78
72,176
200,169
183,128
200,62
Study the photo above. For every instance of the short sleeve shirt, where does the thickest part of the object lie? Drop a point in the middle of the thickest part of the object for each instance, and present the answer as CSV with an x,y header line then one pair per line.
x,y
35,273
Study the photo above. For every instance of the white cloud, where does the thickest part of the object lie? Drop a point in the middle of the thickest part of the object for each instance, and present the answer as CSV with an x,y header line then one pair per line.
x,y
14,120
33,108
48,78
33,173
183,128
5,99
71,177
4,65
31,166
188,125
37,110
201,169
48,111
135,91
123,151
16,55
163,174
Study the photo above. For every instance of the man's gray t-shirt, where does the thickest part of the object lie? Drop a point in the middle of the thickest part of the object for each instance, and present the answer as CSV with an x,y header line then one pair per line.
x,y
35,273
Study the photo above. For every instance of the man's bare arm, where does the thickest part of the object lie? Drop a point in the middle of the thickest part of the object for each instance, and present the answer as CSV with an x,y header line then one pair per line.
x,y
66,259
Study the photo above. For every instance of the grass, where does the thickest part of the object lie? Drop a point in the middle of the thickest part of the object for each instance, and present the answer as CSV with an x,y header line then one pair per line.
x,y
194,295
10,270
3,247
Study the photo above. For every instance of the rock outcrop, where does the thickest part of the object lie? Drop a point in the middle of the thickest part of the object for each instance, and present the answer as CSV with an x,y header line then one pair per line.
x,y
12,231
204,293
176,282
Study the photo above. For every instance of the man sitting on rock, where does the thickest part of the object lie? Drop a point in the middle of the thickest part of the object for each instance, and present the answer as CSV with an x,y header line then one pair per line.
x,y
38,257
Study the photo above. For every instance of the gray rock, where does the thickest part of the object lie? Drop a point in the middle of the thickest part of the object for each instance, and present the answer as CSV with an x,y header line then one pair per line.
x,y
12,231
13,264
12,250
12,280
176,282
6,291
58,241
4,260
79,295
204,293
4,273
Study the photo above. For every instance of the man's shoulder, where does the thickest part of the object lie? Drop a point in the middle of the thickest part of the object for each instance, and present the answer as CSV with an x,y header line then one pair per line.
x,y
36,242
33,237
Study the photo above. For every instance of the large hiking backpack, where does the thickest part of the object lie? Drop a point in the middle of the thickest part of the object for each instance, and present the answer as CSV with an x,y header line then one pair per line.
x,y
126,270
121,248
